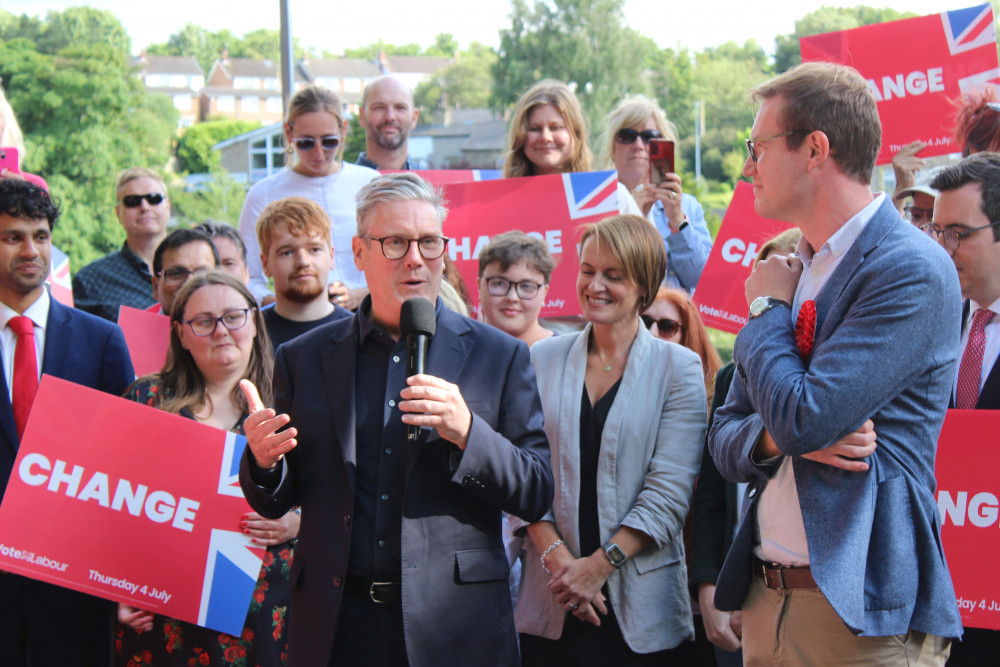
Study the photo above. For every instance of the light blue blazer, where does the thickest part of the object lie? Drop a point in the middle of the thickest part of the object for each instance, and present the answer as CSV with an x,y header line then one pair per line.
x,y
887,341
648,462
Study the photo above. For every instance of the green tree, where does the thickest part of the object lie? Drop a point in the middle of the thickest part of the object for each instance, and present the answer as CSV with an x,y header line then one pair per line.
x,y
465,83
84,118
220,198
194,149
445,46
371,51
207,46
827,19
582,42
77,26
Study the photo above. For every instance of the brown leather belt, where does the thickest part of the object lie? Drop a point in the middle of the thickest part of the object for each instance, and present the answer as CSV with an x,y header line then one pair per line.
x,y
781,577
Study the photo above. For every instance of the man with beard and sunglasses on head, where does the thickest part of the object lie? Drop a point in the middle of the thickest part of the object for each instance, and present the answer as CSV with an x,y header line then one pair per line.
x,y
294,237
123,277
388,115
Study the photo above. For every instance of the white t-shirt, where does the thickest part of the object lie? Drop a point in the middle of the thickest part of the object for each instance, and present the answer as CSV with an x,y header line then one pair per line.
x,y
335,193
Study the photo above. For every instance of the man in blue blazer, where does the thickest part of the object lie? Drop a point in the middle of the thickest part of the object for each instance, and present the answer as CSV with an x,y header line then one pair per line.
x,y
41,624
967,224
838,557
400,558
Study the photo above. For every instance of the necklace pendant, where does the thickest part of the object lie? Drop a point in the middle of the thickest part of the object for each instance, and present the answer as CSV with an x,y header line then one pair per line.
x,y
607,369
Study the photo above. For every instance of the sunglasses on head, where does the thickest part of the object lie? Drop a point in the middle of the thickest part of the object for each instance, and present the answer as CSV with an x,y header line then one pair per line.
x,y
627,135
132,201
665,326
329,143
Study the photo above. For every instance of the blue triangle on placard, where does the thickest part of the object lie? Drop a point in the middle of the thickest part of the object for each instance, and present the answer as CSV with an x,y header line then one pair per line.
x,y
961,19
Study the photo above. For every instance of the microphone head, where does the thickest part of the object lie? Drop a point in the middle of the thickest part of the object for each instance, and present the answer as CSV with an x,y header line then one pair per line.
x,y
417,317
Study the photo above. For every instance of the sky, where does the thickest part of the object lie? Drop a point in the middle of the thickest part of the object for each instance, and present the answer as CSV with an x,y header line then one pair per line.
x,y
335,26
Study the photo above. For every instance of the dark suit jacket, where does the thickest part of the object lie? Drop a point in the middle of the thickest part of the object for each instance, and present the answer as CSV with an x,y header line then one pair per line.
x,y
456,603
89,351
887,333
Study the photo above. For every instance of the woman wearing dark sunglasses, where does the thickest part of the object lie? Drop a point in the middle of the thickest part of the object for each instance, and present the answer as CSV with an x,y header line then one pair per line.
x,y
217,338
677,215
315,131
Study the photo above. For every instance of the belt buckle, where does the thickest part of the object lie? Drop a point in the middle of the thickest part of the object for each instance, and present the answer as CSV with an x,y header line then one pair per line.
x,y
768,570
371,591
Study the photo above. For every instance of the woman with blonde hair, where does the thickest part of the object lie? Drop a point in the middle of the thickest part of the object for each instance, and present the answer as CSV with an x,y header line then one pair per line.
x,y
604,578
548,135
315,132
678,216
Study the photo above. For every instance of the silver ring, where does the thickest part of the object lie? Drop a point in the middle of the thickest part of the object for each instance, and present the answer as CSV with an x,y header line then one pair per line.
x,y
638,188
673,195
574,605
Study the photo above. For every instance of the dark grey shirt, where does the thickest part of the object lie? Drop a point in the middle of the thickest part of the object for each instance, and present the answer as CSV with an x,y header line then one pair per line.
x,y
118,279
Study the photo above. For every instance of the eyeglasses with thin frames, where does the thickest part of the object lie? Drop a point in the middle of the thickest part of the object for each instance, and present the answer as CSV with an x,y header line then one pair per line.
x,y
525,289
396,247
918,215
205,325
751,143
178,275
952,235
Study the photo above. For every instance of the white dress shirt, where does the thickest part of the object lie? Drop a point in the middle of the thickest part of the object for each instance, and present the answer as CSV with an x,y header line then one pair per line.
x,y
39,314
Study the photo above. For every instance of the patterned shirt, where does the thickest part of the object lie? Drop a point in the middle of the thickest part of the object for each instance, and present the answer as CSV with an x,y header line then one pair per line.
x,y
118,279
365,162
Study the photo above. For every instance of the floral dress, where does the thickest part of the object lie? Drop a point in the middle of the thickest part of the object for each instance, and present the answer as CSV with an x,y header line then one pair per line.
x,y
263,642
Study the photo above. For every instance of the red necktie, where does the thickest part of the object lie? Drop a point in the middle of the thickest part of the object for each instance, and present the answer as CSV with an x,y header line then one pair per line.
x,y
971,370
25,370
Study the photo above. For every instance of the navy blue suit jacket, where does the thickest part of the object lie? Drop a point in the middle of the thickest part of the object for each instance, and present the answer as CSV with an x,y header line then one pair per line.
x,y
886,349
456,602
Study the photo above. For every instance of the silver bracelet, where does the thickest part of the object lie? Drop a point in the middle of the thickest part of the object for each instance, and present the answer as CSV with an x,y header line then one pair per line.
x,y
547,552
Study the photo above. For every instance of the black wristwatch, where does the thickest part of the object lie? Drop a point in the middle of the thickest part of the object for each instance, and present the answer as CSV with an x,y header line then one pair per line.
x,y
615,555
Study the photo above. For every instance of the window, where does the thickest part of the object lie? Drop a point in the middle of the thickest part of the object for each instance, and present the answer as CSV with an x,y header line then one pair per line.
x,y
225,103
250,104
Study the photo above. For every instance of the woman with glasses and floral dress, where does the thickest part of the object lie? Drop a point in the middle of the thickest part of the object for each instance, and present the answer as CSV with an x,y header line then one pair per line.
x,y
217,338
315,131
678,216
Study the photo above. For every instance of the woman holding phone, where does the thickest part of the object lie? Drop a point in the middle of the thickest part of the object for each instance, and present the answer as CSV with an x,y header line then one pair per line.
x,y
548,135
315,132
632,125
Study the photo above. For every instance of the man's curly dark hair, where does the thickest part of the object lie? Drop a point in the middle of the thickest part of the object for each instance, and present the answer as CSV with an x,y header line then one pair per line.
x,y
21,199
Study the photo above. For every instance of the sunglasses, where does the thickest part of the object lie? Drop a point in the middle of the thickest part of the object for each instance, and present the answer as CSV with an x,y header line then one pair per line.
x,y
329,143
627,136
666,326
133,201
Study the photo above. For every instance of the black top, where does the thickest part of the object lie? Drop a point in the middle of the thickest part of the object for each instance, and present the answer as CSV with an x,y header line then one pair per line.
x,y
281,329
365,162
592,421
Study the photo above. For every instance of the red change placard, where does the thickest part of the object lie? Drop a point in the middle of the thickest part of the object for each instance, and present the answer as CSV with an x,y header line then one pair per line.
x,y
968,498
720,297
126,502
147,336
916,68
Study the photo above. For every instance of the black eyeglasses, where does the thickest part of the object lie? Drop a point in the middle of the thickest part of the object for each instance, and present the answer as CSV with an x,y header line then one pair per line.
x,y
917,215
205,325
665,326
132,201
178,275
752,143
953,236
627,136
396,247
525,289
329,143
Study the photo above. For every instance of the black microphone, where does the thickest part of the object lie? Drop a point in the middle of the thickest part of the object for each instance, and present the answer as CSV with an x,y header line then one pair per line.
x,y
417,321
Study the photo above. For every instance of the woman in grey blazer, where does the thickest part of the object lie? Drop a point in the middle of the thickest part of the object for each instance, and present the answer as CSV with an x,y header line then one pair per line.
x,y
604,575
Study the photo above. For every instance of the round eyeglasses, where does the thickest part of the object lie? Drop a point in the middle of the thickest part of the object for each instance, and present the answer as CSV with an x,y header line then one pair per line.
x,y
205,325
525,289
396,247
952,235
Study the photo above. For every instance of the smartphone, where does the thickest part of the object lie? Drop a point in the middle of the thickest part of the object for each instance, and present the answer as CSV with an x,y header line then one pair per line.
x,y
661,159
8,160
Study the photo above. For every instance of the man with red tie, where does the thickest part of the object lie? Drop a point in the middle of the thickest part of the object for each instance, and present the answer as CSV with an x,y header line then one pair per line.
x,y
41,624
967,224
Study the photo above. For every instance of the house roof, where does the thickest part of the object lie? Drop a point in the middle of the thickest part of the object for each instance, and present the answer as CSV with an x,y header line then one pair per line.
x,y
252,68
215,91
252,135
186,65
340,67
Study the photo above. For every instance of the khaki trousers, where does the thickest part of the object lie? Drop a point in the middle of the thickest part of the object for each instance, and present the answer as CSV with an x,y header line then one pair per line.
x,y
798,627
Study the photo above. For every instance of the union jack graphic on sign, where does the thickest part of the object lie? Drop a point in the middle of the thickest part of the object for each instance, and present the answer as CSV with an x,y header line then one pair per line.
x,y
969,28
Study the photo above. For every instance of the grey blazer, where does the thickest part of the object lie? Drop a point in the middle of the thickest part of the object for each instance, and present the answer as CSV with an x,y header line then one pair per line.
x,y
887,338
650,453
